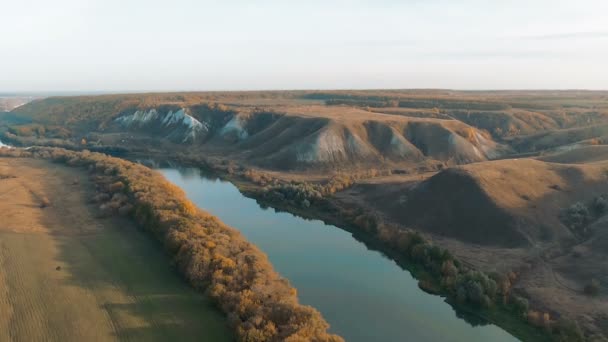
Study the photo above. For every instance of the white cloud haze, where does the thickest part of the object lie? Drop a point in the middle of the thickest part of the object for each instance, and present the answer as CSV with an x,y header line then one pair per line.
x,y
142,45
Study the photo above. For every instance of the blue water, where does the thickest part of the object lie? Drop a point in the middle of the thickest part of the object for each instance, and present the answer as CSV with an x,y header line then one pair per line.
x,y
362,294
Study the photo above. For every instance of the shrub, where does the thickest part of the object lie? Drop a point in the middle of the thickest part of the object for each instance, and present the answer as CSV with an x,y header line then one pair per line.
x,y
476,288
577,217
448,269
600,205
534,318
212,257
593,288
116,186
101,197
125,210
567,331
45,202
297,194
520,304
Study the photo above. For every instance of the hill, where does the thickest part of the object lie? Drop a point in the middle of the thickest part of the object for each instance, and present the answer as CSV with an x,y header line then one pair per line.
x,y
509,203
578,155
10,102
544,222
458,175
279,137
332,129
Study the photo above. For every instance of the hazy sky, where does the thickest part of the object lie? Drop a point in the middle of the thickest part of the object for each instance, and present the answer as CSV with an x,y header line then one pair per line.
x,y
122,45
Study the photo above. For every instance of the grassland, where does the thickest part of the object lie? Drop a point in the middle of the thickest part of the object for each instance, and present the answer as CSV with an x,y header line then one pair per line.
x,y
67,275
214,258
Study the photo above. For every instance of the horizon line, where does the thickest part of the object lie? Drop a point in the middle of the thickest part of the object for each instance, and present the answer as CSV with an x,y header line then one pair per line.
x,y
6,93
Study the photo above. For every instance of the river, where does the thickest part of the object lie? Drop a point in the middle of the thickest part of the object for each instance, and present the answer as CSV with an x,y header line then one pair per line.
x,y
361,293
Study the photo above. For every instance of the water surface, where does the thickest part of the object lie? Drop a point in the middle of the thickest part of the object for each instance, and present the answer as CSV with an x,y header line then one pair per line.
x,y
361,293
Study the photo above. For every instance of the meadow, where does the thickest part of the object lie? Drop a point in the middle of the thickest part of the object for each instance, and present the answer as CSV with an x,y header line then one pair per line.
x,y
67,275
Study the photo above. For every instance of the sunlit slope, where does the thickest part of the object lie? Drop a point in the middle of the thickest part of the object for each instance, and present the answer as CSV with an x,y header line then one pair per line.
x,y
506,203
279,136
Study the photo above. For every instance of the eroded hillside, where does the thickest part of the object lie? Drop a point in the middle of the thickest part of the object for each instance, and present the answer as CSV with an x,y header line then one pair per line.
x,y
510,182
304,130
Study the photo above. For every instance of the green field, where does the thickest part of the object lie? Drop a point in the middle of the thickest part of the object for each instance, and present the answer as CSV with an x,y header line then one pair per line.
x,y
114,284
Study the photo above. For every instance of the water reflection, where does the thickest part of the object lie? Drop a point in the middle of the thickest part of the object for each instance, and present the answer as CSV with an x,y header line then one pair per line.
x,y
361,293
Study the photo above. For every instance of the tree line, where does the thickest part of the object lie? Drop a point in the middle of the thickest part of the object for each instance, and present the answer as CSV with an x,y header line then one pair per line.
x,y
214,258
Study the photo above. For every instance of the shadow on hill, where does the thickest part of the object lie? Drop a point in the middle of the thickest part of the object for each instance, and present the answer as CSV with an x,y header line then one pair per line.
x,y
508,203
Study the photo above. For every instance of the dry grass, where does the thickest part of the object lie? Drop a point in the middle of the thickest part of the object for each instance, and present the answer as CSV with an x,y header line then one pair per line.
x,y
67,276
306,133
214,258
478,211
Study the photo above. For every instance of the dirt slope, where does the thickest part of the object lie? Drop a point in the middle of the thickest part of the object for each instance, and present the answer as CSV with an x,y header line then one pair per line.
x,y
313,136
505,203
561,138
331,129
66,275
578,155
275,136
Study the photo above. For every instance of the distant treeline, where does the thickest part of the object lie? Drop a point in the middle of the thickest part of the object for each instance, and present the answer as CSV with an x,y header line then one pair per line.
x,y
213,257
418,103
27,141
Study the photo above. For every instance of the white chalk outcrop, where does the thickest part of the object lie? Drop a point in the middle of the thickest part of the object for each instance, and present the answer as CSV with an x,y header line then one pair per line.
x,y
173,123
235,127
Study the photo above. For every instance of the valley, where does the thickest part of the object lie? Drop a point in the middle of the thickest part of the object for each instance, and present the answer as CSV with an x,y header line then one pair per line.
x,y
363,295
511,183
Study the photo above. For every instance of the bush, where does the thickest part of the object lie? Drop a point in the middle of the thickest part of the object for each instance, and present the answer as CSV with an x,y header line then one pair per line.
x,y
520,305
567,331
44,202
448,269
476,288
213,257
593,288
600,205
577,217
296,194
116,186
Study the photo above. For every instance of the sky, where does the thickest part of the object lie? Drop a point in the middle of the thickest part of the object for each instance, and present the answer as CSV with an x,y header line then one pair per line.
x,y
150,45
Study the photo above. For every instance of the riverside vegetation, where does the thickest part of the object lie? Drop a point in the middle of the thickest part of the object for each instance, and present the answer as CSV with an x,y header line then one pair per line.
x,y
217,272
548,145
487,293
214,258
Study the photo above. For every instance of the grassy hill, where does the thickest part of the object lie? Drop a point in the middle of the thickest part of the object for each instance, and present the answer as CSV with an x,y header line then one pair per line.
x,y
509,181
508,202
334,129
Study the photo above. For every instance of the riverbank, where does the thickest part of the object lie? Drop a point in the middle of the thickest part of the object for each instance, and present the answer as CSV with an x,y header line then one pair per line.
x,y
364,225
507,316
360,292
506,309
215,259
68,275
317,200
